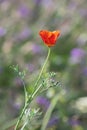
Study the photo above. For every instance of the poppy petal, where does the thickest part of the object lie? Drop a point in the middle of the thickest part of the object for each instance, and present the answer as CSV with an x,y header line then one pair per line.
x,y
49,37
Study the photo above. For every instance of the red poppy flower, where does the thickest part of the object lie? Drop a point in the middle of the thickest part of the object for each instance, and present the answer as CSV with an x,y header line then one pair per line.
x,y
49,37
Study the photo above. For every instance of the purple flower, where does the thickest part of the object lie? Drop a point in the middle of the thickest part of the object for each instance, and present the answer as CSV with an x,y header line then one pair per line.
x,y
36,49
43,102
85,71
37,1
76,55
48,3
2,1
24,11
53,121
31,67
2,32
72,5
83,12
18,82
73,121
23,35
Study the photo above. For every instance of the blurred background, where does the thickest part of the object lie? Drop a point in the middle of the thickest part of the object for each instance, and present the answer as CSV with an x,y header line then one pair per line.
x,y
20,43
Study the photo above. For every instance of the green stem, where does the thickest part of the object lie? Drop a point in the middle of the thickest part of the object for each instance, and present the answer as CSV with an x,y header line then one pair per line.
x,y
42,69
25,106
38,88
33,94
22,113
20,117
36,91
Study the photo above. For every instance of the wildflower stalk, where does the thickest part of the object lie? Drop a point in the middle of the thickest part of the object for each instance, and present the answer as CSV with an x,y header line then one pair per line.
x,y
36,89
23,110
20,117
42,68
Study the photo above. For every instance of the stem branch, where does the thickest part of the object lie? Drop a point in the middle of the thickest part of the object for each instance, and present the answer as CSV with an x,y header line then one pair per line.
x,y
36,89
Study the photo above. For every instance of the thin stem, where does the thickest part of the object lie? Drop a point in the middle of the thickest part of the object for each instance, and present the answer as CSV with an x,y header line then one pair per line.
x,y
20,117
27,102
25,106
25,92
38,88
36,91
22,113
42,68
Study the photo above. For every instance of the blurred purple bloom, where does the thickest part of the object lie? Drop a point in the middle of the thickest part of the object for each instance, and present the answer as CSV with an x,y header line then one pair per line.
x,y
18,82
85,71
23,34
37,1
36,49
2,32
31,67
72,5
43,102
2,1
73,122
83,12
53,121
76,55
24,11
48,3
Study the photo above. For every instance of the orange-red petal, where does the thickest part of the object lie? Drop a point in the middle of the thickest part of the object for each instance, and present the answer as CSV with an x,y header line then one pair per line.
x,y
49,37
